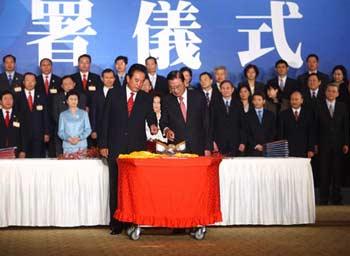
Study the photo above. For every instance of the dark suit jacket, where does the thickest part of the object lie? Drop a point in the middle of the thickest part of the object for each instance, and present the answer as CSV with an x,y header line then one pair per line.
x,y
93,83
227,129
259,87
195,131
302,79
311,103
215,95
36,122
12,136
55,84
300,134
332,132
120,133
290,86
96,112
17,81
117,82
259,133
161,85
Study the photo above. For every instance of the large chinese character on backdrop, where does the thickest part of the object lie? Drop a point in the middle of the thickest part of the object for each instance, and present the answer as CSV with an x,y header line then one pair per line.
x,y
277,28
63,23
161,29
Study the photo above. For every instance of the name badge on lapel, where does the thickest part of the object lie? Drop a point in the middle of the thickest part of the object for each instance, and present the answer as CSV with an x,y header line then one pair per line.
x,y
16,124
18,89
53,91
39,107
92,88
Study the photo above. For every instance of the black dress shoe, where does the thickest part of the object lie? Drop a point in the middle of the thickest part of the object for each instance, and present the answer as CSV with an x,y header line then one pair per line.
x,y
116,231
323,203
337,202
117,228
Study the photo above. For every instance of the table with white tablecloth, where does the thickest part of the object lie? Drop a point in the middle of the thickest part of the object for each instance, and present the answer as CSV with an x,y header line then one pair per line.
x,y
50,192
266,191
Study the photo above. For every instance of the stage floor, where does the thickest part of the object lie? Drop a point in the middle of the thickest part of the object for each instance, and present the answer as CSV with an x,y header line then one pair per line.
x,y
329,236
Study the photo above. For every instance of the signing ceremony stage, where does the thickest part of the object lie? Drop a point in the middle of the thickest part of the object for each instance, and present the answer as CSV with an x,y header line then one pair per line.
x,y
185,127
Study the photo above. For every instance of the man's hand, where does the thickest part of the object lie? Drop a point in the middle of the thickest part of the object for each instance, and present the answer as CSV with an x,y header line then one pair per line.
x,y
153,129
310,154
259,148
46,138
241,147
345,149
207,153
22,155
104,152
94,135
169,134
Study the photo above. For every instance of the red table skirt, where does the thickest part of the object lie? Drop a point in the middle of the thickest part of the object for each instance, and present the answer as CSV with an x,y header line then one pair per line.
x,y
169,192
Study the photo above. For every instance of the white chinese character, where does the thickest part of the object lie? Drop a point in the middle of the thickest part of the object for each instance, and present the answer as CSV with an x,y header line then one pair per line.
x,y
277,20
167,30
66,22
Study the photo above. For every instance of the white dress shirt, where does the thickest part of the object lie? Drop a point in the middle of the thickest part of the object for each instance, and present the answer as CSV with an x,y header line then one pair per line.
x,y
153,79
128,94
32,92
105,90
4,112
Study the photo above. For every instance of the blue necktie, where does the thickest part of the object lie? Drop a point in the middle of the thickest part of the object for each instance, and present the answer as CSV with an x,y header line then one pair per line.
x,y
227,105
10,79
121,80
260,116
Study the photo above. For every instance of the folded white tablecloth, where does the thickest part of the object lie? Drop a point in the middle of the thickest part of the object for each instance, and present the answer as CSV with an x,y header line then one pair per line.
x,y
266,191
48,192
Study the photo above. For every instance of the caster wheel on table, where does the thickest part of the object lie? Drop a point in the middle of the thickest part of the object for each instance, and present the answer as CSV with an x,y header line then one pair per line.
x,y
130,230
199,234
136,234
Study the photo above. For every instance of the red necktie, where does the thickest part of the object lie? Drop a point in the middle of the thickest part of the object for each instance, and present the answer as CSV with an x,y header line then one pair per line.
x,y
46,85
84,82
183,108
7,119
296,115
30,101
130,103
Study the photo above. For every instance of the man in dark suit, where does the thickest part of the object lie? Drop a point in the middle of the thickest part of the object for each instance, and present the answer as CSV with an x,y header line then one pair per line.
x,y
48,84
220,75
227,123
312,94
185,116
312,65
158,82
123,128
32,105
285,84
96,112
333,142
87,83
206,83
120,64
59,105
296,125
11,126
10,79
260,126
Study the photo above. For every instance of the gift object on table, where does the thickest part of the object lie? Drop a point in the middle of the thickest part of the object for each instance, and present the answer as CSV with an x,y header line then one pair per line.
x,y
170,149
276,149
8,153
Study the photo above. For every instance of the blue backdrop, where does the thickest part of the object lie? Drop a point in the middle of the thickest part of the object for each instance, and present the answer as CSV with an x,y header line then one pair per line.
x,y
321,27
